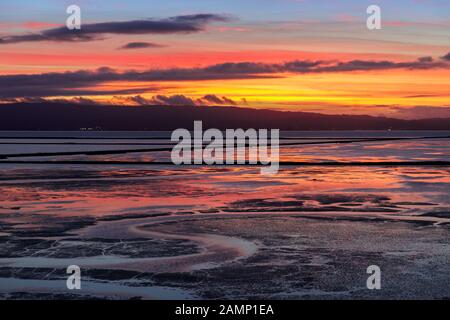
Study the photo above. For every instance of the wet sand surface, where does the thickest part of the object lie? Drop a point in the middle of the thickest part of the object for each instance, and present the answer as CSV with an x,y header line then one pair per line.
x,y
172,233
239,256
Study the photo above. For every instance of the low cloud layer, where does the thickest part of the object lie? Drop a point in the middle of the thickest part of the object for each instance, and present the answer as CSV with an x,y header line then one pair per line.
x,y
176,100
98,31
213,99
165,100
420,112
82,82
398,112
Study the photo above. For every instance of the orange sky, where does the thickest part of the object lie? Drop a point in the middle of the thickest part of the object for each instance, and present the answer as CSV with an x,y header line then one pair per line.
x,y
340,40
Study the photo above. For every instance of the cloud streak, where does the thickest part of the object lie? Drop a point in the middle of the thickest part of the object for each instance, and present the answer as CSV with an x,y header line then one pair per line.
x,y
98,31
140,45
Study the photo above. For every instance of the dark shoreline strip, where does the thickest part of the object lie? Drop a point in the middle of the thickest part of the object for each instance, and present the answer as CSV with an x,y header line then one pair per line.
x,y
282,163
169,143
165,143
328,140
110,152
89,144
75,153
168,138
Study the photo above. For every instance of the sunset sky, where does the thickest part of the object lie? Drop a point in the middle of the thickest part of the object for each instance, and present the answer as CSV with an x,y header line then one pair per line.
x,y
303,55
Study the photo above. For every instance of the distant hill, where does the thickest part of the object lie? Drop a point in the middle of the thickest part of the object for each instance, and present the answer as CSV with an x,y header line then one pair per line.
x,y
66,116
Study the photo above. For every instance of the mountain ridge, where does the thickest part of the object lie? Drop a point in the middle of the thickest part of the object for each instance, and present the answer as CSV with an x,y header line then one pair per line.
x,y
68,117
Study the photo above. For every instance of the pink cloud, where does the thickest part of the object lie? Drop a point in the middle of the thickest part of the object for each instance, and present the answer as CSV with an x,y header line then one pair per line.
x,y
39,25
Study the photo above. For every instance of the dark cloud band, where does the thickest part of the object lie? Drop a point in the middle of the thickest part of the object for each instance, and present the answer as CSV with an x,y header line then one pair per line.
x,y
446,57
97,31
81,82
